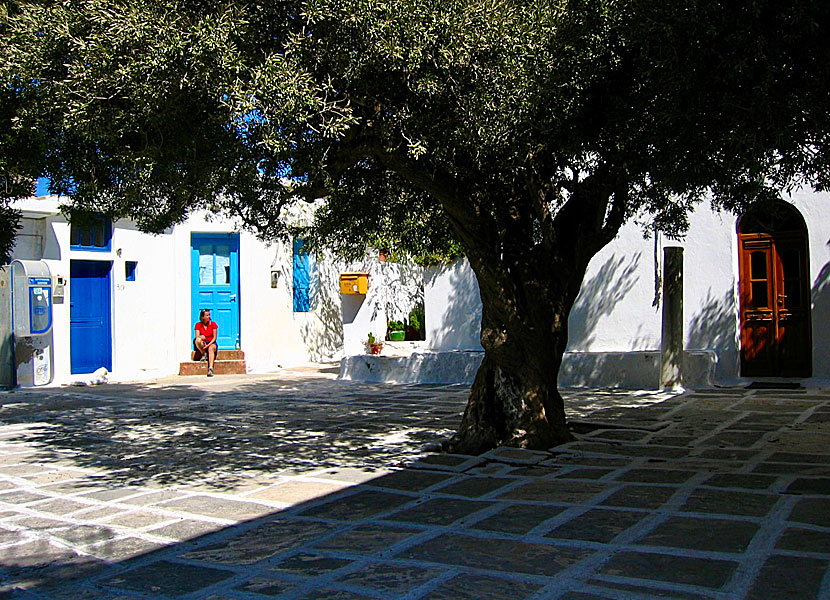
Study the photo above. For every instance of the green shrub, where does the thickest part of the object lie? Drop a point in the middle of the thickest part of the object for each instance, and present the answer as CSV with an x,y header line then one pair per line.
x,y
416,318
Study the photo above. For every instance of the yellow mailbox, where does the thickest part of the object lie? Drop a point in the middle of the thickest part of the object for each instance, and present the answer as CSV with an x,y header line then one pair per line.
x,y
354,282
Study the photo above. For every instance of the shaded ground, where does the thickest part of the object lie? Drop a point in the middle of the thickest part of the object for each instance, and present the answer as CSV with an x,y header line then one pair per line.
x,y
299,486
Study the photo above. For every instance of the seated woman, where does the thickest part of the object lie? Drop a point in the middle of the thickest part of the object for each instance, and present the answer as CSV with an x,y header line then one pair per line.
x,y
205,341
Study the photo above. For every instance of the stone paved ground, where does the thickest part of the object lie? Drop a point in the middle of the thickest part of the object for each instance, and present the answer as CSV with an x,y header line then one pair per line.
x,y
298,486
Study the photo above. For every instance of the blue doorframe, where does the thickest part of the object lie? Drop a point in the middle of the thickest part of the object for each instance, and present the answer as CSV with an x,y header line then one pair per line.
x,y
214,269
90,322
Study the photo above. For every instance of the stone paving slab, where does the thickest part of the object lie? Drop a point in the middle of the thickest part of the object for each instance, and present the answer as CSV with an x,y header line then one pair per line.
x,y
298,486
684,570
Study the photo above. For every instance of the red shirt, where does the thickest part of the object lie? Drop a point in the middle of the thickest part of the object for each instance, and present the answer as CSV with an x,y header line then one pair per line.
x,y
208,331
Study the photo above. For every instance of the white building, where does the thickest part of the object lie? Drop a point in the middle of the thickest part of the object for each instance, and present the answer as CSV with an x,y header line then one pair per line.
x,y
756,303
131,299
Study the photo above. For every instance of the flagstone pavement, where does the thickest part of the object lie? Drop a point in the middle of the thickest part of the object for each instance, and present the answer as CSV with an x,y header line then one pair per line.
x,y
299,486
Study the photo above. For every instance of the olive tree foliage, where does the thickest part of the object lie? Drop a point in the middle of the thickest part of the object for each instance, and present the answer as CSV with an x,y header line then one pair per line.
x,y
18,170
521,133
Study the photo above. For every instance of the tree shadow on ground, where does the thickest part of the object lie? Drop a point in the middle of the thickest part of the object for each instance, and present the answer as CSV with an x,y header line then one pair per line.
x,y
350,542
514,524
141,434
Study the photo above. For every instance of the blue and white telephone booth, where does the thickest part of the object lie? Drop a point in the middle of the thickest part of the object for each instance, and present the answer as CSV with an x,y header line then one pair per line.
x,y
32,322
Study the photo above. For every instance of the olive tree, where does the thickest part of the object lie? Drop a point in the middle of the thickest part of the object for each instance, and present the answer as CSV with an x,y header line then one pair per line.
x,y
520,133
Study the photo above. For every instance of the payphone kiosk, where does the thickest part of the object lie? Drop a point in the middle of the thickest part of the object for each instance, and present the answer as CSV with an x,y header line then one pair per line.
x,y
32,322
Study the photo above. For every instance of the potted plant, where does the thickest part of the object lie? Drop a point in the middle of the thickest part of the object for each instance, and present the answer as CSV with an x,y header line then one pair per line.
x,y
397,331
373,345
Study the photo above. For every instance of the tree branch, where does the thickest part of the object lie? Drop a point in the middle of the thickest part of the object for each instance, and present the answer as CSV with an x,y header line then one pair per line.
x,y
616,215
539,199
357,144
478,233
474,226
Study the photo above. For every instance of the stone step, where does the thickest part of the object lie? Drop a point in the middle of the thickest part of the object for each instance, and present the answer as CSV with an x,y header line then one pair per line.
x,y
220,367
224,355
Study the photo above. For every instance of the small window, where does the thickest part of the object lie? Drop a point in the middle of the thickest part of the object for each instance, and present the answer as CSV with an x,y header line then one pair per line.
x,y
758,265
90,232
129,270
222,265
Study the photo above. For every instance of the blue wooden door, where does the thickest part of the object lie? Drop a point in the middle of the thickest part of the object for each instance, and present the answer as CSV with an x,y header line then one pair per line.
x,y
90,326
215,283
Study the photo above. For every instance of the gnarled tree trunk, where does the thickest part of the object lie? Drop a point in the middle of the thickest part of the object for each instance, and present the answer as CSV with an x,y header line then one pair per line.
x,y
528,287
514,400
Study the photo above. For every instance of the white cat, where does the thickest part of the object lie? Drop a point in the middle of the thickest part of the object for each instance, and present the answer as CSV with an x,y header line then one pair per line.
x,y
97,377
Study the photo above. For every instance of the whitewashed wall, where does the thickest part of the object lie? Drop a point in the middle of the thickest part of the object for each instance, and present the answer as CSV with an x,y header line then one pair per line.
x,y
815,208
710,292
613,311
142,311
616,312
269,331
151,316
452,307
394,290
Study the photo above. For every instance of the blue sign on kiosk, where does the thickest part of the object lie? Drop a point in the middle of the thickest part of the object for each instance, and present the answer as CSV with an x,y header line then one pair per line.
x,y
32,322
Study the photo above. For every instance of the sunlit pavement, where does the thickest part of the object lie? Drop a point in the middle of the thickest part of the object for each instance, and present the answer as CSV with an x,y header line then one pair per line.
x,y
295,485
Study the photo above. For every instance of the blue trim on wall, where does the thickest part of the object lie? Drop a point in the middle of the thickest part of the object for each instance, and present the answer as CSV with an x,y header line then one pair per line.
x,y
301,279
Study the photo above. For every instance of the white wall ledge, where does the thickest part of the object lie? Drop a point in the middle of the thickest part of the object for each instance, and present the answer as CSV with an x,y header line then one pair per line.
x,y
638,370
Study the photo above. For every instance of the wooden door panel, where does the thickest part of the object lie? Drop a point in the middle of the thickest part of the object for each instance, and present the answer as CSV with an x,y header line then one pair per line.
x,y
757,314
757,345
792,306
90,336
793,346
776,335
215,283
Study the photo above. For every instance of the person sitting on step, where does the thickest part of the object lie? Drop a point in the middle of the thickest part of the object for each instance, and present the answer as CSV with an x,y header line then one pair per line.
x,y
205,341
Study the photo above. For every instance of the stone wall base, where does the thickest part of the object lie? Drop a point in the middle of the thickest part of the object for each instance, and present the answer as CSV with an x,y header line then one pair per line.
x,y
625,370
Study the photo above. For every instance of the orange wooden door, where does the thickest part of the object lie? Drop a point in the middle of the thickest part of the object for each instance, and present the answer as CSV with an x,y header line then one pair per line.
x,y
776,336
792,305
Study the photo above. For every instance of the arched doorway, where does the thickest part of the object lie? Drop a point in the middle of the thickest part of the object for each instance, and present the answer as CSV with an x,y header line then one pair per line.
x,y
776,332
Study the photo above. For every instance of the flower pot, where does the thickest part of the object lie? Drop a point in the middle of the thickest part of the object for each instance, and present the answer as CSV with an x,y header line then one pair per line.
x,y
397,336
375,348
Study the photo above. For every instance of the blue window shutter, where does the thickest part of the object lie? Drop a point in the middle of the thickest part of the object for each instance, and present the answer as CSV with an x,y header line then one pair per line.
x,y
91,233
302,297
